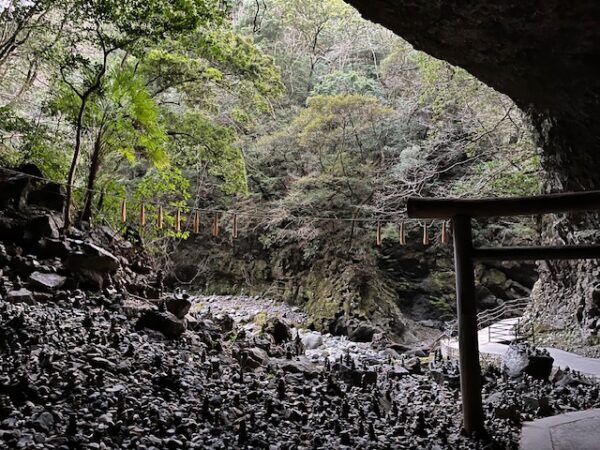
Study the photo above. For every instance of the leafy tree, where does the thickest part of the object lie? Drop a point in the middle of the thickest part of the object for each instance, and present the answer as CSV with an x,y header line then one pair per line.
x,y
111,30
339,83
120,118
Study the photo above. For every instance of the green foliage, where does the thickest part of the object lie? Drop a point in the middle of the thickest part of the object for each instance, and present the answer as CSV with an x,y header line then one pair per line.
x,y
24,141
340,83
200,141
122,116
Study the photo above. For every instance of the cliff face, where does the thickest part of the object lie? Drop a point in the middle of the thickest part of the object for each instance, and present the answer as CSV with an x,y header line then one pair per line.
x,y
545,55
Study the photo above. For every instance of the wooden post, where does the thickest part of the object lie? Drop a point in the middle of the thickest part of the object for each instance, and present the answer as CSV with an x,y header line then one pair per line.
x,y
468,345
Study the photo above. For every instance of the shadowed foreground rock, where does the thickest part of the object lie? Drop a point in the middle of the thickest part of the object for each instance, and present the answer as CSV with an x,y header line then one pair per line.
x,y
75,372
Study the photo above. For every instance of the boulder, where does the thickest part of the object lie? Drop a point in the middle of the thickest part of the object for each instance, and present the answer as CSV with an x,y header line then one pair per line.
x,y
312,341
165,322
54,248
14,191
299,365
362,331
400,348
50,195
45,226
277,328
11,229
253,358
522,359
225,322
91,279
398,372
413,365
179,307
93,258
565,378
22,295
47,281
358,378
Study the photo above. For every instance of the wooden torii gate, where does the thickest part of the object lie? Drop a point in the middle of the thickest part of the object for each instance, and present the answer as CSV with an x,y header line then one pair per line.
x,y
460,212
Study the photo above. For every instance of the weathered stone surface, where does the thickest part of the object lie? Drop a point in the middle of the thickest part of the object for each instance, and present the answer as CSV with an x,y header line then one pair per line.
x,y
521,359
279,329
46,225
359,378
311,341
93,258
413,365
253,358
165,322
47,281
54,248
14,191
360,331
298,365
49,195
179,307
22,295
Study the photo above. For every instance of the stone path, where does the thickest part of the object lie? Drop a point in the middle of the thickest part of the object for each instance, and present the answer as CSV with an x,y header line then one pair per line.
x,y
562,359
572,431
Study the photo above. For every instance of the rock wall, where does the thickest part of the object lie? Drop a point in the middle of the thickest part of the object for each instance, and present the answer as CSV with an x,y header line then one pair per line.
x,y
397,289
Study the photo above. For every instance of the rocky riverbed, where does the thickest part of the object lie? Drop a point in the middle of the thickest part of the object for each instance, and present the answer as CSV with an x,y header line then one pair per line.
x,y
79,372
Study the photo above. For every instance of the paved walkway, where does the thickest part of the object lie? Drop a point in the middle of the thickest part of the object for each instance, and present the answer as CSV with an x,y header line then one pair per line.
x,y
572,431
562,359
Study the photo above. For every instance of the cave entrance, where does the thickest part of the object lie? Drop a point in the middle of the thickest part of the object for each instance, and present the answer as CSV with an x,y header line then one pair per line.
x,y
461,212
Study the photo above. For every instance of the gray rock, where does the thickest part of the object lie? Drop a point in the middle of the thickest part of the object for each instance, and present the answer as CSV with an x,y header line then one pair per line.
x,y
49,195
521,359
279,329
179,307
22,295
254,358
93,258
47,281
299,365
312,340
47,226
362,332
413,365
165,322
45,421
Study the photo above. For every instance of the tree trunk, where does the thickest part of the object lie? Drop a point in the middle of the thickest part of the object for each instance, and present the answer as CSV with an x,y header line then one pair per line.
x,y
86,214
74,161
567,296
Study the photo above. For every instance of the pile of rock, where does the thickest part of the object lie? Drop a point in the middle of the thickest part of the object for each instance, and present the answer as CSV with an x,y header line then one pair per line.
x,y
39,260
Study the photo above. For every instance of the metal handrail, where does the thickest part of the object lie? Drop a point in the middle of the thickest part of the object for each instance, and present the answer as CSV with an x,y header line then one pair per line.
x,y
507,310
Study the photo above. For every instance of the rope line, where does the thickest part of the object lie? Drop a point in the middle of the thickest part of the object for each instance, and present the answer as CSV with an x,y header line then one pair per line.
x,y
258,214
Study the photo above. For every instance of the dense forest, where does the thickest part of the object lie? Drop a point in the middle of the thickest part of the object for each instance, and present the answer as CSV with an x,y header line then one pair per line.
x,y
297,122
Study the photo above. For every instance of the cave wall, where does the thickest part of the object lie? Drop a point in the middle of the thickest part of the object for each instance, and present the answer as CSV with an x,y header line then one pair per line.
x,y
545,55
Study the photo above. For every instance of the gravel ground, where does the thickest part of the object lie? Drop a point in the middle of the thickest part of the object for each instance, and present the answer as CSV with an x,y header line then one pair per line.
x,y
77,374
